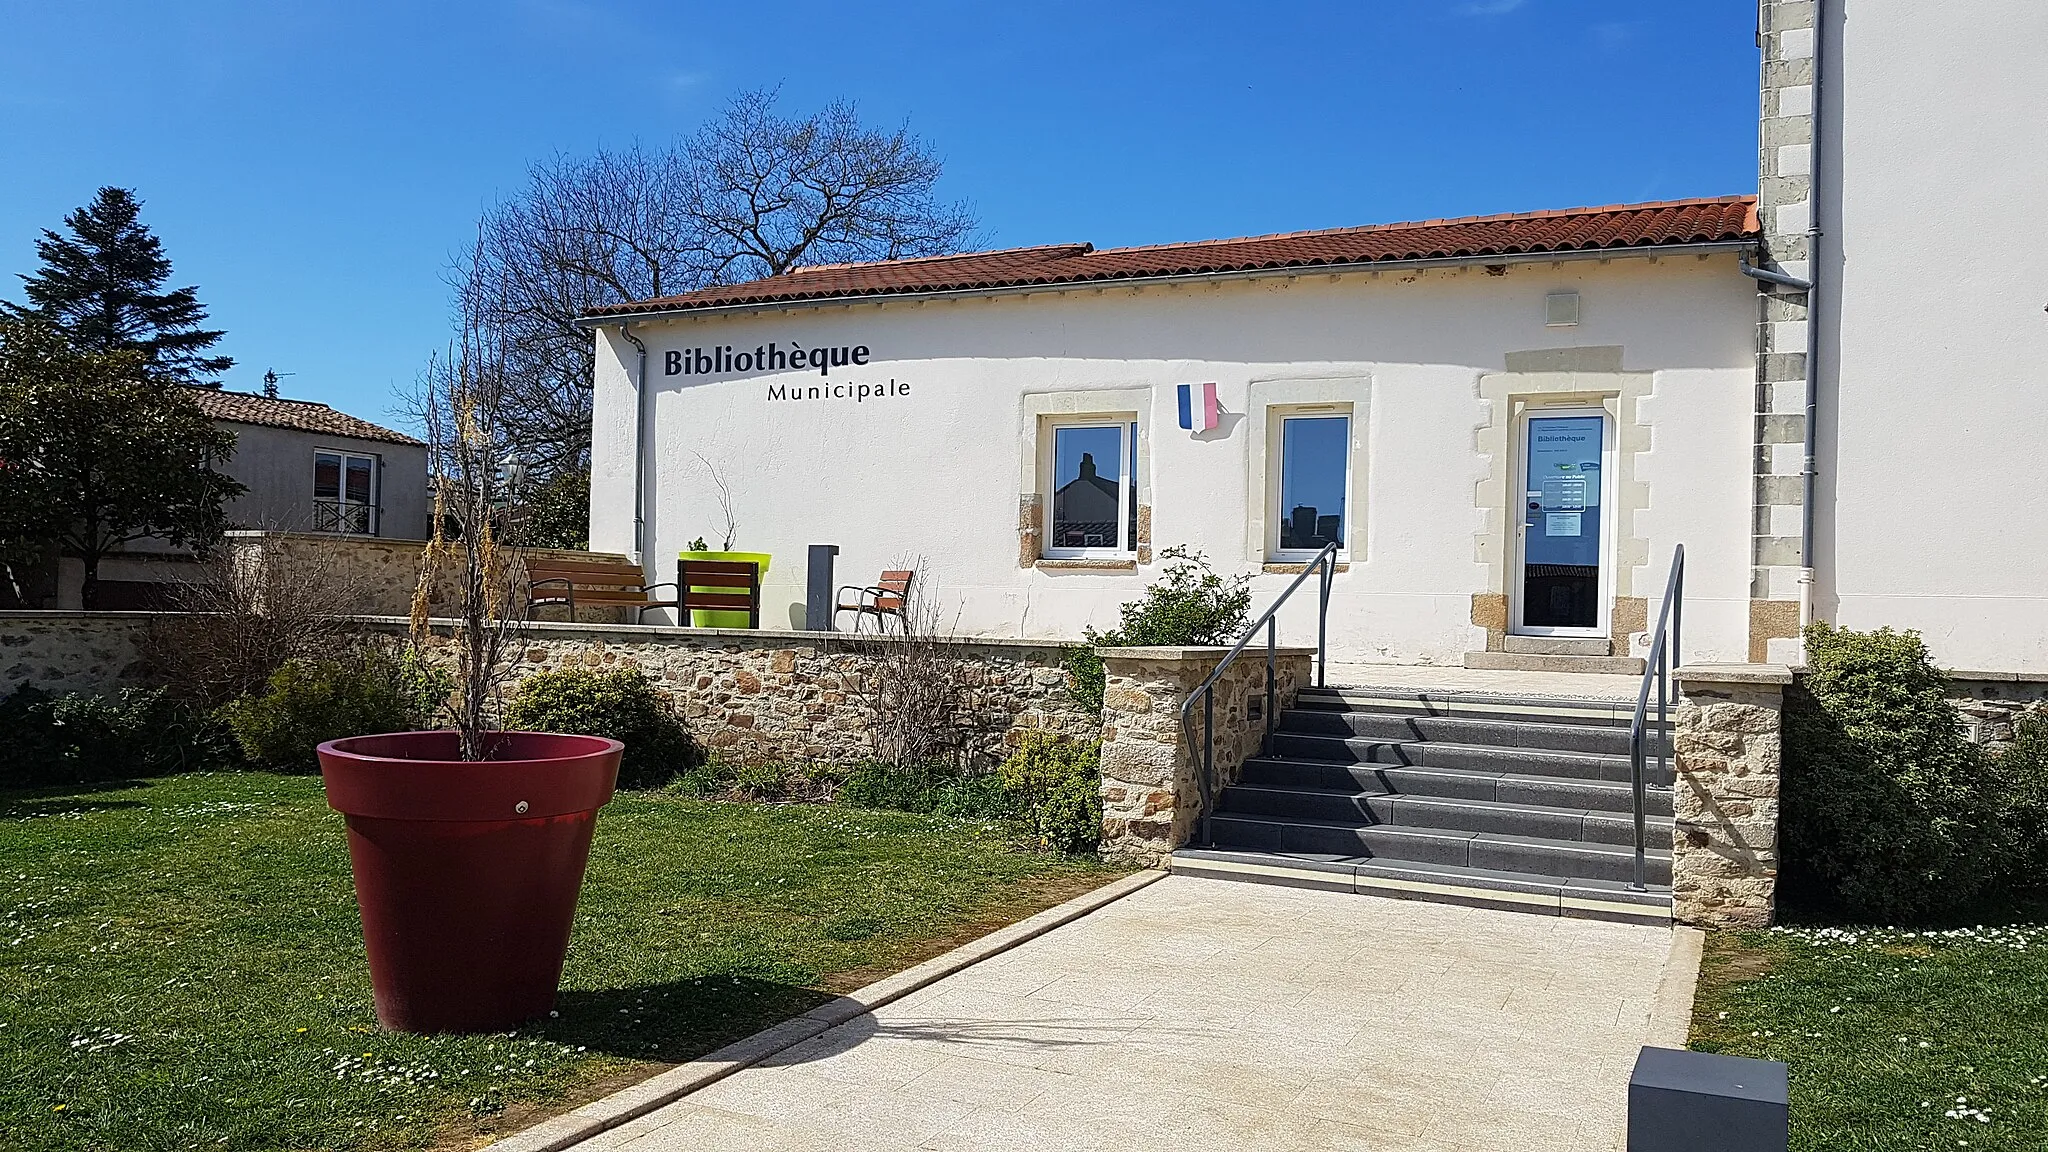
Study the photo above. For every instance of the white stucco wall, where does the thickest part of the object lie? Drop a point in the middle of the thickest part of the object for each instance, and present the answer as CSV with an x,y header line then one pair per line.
x,y
1933,431
936,474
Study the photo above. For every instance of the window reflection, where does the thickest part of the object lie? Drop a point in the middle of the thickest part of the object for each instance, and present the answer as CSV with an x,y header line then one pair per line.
x,y
1089,498
1314,469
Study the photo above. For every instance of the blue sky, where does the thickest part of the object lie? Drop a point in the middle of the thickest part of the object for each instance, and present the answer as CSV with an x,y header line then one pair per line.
x,y
312,165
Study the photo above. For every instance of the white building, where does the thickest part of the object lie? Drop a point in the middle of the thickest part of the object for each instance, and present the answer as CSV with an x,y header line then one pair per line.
x,y
1506,423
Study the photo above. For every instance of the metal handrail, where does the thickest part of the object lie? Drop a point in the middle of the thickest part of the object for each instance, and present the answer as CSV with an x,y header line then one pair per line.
x,y
1326,562
1656,668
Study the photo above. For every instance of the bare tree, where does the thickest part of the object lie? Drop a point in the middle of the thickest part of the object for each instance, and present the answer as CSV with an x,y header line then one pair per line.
x,y
753,193
921,699
260,603
462,397
722,489
585,232
772,192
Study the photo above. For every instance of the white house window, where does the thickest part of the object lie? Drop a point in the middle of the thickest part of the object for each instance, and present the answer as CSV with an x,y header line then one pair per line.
x,y
344,493
1094,506
1315,478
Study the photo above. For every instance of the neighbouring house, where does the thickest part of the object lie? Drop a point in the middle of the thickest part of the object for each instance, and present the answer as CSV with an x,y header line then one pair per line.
x,y
311,468
308,468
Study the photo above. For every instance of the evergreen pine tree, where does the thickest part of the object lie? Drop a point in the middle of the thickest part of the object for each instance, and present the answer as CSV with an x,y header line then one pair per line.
x,y
103,287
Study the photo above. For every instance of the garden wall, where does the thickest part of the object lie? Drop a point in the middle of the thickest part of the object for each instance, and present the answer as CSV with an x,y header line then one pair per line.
x,y
1151,774
779,695
71,651
380,575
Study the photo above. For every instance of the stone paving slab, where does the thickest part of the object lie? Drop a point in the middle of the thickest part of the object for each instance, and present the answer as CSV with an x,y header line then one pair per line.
x,y
1207,1014
1448,680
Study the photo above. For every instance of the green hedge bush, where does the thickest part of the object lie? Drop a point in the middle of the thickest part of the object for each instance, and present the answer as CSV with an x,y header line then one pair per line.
x,y
308,702
1050,788
621,703
2021,779
1188,605
1888,810
1056,787
82,738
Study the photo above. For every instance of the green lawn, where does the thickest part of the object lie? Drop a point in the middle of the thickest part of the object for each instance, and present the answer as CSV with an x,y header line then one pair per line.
x,y
181,965
1896,1039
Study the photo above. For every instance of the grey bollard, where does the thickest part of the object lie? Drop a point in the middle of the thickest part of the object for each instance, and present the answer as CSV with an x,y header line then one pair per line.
x,y
818,590
1681,1101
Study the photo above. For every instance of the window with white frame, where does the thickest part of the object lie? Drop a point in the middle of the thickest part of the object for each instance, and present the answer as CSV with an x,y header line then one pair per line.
x,y
1093,511
344,492
1312,482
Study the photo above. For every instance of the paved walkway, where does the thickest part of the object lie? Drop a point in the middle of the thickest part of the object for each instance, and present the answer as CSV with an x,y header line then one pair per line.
x,y
1214,1015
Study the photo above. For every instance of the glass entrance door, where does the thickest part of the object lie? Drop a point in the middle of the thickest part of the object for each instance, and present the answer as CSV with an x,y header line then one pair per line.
x,y
1563,533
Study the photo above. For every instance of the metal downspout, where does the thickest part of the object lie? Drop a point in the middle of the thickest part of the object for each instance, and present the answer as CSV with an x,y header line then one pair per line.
x,y
639,446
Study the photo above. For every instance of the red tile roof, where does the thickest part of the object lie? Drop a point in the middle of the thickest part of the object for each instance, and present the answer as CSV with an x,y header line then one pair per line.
x,y
302,415
1726,219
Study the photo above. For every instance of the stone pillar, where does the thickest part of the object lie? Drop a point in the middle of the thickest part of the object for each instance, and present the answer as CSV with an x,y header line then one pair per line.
x,y
1728,745
1151,776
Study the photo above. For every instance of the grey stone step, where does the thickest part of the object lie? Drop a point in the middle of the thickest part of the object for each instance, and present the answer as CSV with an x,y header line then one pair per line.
x,y
1454,783
1540,856
1443,812
1607,739
1444,754
1437,883
1535,662
1471,705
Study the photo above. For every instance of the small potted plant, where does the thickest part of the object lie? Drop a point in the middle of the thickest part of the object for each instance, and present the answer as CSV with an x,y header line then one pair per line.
x,y
468,845
699,550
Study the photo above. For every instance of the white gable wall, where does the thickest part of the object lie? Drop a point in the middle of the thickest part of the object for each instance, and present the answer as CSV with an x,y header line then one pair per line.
x,y
1933,488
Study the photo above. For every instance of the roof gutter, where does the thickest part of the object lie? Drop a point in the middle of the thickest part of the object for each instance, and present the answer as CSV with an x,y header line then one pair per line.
x,y
1702,248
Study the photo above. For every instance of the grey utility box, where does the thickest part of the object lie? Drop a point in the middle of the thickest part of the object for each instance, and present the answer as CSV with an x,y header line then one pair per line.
x,y
1680,1101
818,591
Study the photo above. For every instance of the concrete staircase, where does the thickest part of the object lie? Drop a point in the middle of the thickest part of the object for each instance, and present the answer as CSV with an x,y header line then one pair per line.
x,y
1514,802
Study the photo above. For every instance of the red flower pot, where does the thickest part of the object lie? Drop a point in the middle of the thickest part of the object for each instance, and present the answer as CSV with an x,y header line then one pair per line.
x,y
467,871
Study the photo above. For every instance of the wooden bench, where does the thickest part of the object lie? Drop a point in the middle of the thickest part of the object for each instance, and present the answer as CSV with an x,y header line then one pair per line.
x,y
598,582
885,597
719,586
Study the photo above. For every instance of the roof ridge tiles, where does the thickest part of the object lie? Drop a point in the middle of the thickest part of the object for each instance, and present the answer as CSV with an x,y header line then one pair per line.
x,y
1438,222
1658,223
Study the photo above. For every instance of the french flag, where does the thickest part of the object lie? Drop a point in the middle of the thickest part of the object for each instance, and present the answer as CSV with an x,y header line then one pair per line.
x,y
1198,410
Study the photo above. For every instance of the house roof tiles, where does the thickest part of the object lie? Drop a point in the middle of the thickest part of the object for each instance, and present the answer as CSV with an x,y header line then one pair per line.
x,y
302,415
1726,219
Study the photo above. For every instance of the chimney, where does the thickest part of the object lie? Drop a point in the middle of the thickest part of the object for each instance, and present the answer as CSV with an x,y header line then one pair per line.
x,y
1087,466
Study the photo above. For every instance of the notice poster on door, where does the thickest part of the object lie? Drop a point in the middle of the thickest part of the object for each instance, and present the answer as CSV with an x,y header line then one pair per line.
x,y
1564,479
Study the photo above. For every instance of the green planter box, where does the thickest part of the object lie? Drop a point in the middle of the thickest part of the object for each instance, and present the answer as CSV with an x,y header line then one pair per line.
x,y
715,618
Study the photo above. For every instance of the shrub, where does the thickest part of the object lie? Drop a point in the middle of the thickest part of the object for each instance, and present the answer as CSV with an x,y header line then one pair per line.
x,y
1887,807
80,738
2021,782
1188,605
308,702
1050,787
620,703
1055,788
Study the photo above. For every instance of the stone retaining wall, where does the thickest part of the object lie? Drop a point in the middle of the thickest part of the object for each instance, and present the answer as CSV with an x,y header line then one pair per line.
x,y
765,695
1992,704
1151,776
1728,746
71,651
